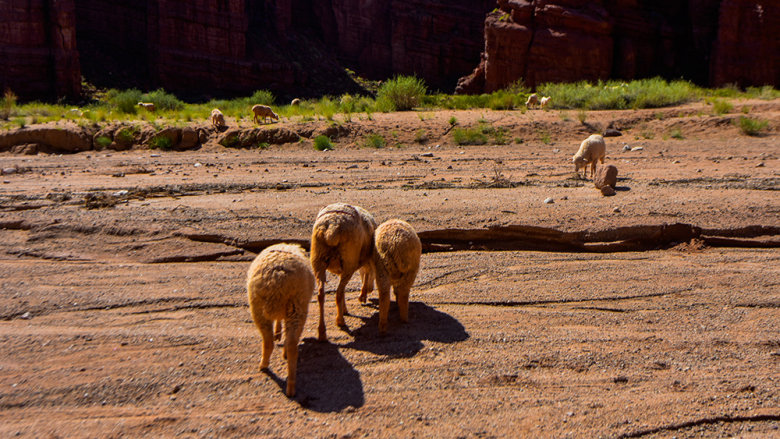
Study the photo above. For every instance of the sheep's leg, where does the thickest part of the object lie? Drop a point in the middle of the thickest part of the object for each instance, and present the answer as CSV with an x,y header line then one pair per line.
x,y
341,303
383,286
294,328
266,330
593,169
402,299
278,330
321,335
367,275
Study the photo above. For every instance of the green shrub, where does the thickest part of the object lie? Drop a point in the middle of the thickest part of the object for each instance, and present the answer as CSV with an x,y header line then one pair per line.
x,y
262,97
326,107
453,121
125,101
103,141
470,136
126,135
323,143
7,104
161,142
750,126
403,92
676,133
421,136
163,101
615,95
374,140
720,107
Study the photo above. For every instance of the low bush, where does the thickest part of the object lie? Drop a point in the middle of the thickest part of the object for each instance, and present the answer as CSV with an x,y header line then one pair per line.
x,y
402,93
323,143
751,126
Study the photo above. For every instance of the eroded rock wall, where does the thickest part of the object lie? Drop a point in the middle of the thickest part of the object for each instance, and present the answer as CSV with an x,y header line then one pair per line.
x,y
38,56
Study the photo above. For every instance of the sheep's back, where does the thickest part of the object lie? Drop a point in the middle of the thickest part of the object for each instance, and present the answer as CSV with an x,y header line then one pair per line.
x,y
278,278
398,248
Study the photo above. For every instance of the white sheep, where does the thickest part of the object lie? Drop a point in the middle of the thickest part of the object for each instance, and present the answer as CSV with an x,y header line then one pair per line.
x,y
341,242
543,103
533,100
295,102
279,286
217,118
591,150
397,250
148,106
264,111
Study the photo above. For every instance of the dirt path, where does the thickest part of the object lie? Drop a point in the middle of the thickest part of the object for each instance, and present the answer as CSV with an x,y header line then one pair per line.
x,y
129,318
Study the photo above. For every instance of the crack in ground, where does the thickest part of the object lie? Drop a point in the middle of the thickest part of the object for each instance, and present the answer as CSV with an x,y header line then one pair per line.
x,y
703,421
512,304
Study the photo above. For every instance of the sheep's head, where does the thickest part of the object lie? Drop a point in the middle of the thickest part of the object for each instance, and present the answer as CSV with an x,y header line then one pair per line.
x,y
579,162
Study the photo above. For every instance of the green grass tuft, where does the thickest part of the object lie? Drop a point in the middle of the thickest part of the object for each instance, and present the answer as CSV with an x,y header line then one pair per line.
x,y
402,93
374,140
323,143
751,126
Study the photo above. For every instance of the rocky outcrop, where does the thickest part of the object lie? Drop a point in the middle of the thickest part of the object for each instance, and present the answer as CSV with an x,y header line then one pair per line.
x,y
711,42
38,56
68,138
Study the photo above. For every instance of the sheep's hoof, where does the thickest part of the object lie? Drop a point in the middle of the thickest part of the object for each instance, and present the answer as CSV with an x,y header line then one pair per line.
x,y
290,391
363,298
263,367
322,336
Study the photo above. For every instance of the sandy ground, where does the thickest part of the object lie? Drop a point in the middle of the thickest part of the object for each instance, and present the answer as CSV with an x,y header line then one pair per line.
x,y
123,306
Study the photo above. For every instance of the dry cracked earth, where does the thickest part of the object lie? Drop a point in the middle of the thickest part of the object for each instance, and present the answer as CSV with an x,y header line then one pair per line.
x,y
652,313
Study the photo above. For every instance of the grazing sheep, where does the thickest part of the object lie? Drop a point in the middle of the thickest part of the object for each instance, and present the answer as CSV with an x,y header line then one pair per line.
x,y
533,100
591,150
341,242
295,102
280,284
543,103
217,118
148,106
397,252
264,111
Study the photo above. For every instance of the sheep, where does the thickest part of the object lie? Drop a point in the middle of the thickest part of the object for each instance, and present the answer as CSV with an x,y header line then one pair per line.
x,y
279,286
295,102
217,118
533,100
397,250
592,149
341,242
148,106
543,103
264,111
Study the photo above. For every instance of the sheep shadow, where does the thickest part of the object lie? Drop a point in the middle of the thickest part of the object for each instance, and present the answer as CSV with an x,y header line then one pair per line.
x,y
326,381
405,340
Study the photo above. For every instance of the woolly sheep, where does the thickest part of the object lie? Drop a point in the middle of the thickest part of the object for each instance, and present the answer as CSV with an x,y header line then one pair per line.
x,y
264,111
592,149
148,106
533,100
341,242
397,250
543,103
280,284
217,118
295,102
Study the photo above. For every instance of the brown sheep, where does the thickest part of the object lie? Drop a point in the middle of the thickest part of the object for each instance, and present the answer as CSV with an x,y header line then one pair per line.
x,y
295,102
397,250
341,242
148,106
533,100
591,150
264,111
280,284
217,118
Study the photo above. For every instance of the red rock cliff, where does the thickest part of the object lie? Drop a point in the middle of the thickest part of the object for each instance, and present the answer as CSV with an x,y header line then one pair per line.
x,y
38,56
711,42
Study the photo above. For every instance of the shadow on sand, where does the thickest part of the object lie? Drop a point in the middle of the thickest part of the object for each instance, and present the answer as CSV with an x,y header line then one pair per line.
x,y
327,382
405,339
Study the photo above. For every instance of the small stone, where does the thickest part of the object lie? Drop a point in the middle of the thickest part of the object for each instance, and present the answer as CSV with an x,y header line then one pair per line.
x,y
26,316
564,197
676,162
198,165
352,167
6,181
607,191
626,147
611,132
637,148
760,165
620,379
121,193
426,154
616,210
548,200
9,171
556,150
154,155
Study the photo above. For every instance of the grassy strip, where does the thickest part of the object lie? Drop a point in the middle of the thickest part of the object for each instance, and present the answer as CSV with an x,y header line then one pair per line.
x,y
397,94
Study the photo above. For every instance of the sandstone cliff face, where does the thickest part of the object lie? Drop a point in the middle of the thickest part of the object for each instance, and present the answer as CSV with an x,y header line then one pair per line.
x,y
708,41
38,56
